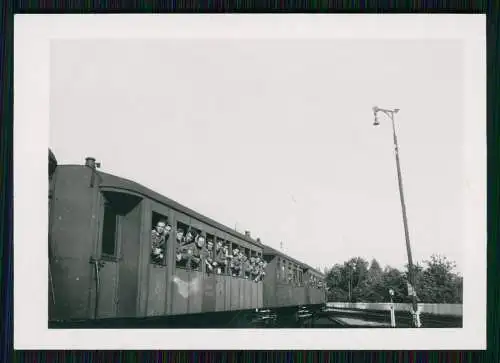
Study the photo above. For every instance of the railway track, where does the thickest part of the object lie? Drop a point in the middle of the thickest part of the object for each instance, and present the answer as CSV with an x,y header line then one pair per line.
x,y
290,318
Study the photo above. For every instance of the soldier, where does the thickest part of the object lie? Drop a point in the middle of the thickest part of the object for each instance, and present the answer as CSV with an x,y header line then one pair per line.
x,y
180,239
262,268
254,269
235,264
209,259
245,264
198,250
221,255
158,238
187,250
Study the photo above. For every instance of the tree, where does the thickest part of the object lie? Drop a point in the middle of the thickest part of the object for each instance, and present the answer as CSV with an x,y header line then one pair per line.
x,y
335,282
436,282
439,281
357,280
372,288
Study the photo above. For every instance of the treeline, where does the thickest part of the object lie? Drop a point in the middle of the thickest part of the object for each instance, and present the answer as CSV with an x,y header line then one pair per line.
x,y
358,280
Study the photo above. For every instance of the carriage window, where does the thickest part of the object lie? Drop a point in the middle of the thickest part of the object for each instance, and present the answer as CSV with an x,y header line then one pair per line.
x,y
109,231
283,271
236,260
210,264
221,254
189,248
160,234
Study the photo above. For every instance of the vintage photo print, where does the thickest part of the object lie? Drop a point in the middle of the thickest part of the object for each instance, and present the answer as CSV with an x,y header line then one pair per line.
x,y
250,182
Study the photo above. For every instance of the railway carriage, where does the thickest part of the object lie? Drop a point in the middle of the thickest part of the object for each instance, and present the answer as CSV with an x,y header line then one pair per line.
x,y
101,264
289,282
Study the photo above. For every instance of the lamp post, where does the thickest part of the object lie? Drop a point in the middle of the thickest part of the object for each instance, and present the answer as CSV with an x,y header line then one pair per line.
x,y
390,113
393,314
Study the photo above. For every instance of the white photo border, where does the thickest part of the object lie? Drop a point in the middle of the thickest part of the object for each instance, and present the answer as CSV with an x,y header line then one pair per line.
x,y
32,38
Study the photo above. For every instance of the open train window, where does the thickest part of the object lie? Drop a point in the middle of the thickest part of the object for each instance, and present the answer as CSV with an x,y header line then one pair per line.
x,y
221,253
210,244
210,267
116,207
235,265
109,230
160,236
180,241
188,254
290,273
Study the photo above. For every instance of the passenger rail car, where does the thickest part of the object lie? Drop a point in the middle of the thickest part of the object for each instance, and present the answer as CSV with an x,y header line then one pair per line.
x,y
120,250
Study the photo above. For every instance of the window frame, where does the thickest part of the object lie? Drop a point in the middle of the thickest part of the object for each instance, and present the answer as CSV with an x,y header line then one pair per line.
x,y
115,256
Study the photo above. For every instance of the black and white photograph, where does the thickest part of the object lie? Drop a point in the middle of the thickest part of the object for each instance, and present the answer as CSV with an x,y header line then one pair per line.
x,y
233,175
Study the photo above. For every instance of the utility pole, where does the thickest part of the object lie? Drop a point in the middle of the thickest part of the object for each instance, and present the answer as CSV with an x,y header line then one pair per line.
x,y
411,273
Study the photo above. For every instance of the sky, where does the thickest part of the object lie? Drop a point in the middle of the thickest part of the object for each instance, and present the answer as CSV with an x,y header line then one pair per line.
x,y
277,136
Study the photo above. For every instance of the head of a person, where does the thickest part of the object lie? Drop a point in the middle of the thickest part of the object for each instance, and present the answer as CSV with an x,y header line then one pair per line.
x,y
200,241
190,236
160,227
179,234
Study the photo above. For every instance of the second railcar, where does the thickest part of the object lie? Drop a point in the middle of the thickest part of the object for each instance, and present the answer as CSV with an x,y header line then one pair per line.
x,y
289,282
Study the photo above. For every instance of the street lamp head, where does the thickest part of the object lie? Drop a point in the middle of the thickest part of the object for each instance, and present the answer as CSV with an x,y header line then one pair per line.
x,y
375,110
391,292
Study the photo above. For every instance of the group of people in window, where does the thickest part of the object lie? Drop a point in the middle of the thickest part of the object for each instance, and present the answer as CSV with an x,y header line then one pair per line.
x,y
315,282
291,274
193,248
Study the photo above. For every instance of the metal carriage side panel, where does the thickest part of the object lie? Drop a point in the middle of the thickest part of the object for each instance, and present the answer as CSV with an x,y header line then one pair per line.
x,y
307,298
71,303
129,269
156,290
260,293
220,293
255,295
180,292
143,259
297,295
301,295
74,210
108,276
73,227
195,292
243,294
242,285
235,293
209,293
248,294
281,295
227,286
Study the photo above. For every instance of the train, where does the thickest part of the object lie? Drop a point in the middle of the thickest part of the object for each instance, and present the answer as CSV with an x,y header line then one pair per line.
x,y
118,250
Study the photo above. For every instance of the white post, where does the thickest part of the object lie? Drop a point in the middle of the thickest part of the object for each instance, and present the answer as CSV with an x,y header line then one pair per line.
x,y
393,314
